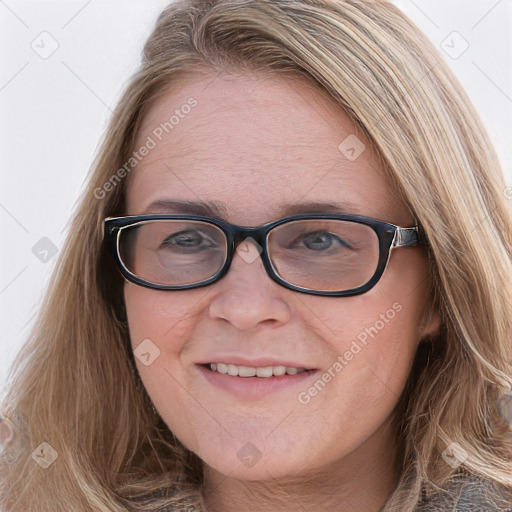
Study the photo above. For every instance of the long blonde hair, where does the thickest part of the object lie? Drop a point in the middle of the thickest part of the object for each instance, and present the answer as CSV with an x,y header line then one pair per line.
x,y
74,385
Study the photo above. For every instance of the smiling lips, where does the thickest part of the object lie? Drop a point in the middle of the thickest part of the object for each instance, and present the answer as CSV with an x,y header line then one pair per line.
x,y
254,371
267,376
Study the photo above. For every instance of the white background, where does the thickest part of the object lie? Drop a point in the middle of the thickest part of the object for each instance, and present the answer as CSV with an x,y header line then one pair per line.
x,y
53,112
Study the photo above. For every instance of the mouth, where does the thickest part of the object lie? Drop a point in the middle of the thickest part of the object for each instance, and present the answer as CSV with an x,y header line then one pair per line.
x,y
263,372
254,382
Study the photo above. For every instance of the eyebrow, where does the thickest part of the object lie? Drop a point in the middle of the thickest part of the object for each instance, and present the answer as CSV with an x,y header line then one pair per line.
x,y
220,210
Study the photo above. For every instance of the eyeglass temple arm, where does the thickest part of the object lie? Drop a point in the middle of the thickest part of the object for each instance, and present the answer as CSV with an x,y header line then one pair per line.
x,y
405,237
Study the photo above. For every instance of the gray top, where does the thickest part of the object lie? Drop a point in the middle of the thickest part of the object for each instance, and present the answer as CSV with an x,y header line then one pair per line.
x,y
466,494
471,494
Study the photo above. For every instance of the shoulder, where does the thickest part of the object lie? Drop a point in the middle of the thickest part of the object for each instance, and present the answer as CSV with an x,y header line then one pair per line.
x,y
470,494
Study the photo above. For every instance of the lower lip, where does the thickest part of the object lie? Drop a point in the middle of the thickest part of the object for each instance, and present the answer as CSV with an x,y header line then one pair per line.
x,y
254,387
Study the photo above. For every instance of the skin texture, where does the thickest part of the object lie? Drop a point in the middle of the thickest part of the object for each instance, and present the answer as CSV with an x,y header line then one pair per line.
x,y
253,143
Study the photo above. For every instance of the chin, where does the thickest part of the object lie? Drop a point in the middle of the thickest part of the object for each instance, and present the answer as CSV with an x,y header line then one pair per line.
x,y
259,462
263,470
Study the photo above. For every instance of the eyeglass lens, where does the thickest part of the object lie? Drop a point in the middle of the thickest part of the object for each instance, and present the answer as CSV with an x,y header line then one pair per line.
x,y
317,254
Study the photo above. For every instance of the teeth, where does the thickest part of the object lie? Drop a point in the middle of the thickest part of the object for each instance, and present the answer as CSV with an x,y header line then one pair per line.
x,y
264,372
221,368
279,370
250,371
246,371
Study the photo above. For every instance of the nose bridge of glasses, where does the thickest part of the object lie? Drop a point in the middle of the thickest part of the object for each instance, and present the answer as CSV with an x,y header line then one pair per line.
x,y
249,244
241,233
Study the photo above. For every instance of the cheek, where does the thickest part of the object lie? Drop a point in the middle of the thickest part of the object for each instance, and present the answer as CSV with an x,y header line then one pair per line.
x,y
373,337
395,306
161,324
161,315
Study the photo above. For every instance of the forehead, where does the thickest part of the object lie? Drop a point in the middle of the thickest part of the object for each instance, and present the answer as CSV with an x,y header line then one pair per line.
x,y
253,143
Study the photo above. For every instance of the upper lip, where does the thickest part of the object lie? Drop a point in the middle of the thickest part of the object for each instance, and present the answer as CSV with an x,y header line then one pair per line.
x,y
256,362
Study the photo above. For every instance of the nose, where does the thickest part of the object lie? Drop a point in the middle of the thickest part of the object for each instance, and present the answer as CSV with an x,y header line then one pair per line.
x,y
246,296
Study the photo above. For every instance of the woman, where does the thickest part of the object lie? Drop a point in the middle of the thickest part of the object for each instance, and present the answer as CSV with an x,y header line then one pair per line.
x,y
286,285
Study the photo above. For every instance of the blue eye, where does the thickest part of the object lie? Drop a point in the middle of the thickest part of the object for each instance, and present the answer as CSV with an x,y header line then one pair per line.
x,y
320,240
189,238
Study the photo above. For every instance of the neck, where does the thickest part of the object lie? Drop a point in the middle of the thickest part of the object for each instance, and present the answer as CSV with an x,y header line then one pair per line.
x,y
360,482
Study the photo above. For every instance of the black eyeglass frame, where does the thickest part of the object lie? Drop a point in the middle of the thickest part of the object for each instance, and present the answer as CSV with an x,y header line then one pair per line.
x,y
389,235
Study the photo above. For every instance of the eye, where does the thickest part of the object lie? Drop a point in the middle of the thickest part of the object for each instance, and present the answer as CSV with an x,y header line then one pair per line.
x,y
189,238
319,240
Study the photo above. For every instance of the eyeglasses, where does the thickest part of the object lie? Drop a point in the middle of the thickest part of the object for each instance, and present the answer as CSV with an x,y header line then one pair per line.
x,y
320,254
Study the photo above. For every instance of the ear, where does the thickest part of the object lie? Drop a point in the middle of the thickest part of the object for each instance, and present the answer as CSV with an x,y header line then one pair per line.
x,y
430,324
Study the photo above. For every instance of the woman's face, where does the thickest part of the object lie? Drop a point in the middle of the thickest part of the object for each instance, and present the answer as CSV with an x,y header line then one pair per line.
x,y
256,146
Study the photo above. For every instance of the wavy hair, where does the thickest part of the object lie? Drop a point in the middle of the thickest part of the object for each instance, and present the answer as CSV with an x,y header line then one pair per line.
x,y
74,384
